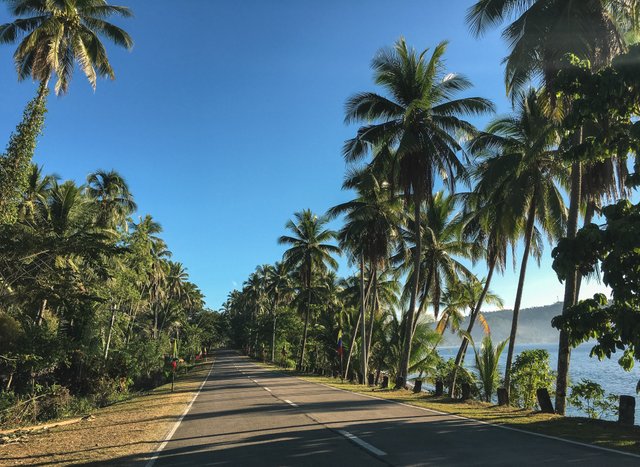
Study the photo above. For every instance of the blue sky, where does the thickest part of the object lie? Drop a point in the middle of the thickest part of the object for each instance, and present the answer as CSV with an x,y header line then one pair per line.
x,y
227,117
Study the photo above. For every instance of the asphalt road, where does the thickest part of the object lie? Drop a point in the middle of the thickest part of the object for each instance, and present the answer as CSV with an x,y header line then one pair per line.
x,y
248,415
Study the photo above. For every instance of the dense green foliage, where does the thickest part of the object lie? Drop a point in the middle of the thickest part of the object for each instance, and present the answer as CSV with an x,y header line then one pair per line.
x,y
589,397
609,99
89,300
16,161
91,304
530,371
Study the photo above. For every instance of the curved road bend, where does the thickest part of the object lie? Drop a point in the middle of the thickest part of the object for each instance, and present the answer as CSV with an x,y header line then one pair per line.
x,y
247,415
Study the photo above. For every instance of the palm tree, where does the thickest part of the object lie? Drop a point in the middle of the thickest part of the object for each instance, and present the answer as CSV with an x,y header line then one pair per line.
x,y
521,161
55,34
38,186
419,120
487,359
254,291
488,226
278,287
540,37
111,192
441,244
371,225
545,31
308,253
460,296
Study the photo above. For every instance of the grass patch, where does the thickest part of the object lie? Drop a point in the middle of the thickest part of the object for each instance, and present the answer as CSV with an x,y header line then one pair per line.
x,y
597,432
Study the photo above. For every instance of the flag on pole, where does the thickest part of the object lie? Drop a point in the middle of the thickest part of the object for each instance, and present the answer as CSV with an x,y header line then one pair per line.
x,y
340,348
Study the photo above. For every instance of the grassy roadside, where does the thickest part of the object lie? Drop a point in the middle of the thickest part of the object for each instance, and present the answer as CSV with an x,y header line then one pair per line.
x,y
126,429
597,432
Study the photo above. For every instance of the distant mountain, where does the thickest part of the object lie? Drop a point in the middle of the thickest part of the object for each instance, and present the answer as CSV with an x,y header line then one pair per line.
x,y
534,326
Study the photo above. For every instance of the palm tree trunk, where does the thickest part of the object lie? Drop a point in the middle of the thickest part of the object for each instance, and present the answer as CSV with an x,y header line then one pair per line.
x,y
43,89
255,330
41,311
363,322
355,334
133,313
588,217
523,272
353,342
155,322
306,316
408,335
273,329
564,350
374,302
472,319
111,323
423,302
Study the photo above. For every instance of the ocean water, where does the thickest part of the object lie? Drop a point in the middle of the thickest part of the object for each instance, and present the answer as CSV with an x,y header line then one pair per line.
x,y
607,372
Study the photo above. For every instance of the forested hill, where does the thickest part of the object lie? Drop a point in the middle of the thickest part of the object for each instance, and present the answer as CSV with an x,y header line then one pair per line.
x,y
534,326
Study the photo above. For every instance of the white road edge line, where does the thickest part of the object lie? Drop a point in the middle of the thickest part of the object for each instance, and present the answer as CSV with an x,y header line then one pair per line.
x,y
362,443
290,403
494,425
177,424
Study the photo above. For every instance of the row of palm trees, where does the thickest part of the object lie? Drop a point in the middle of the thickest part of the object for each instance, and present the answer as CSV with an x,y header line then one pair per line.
x,y
415,135
89,292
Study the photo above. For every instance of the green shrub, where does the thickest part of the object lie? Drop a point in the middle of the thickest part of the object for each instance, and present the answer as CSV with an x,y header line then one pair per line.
x,y
592,399
530,371
444,373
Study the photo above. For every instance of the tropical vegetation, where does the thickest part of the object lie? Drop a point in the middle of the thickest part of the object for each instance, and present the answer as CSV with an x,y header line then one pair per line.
x,y
90,300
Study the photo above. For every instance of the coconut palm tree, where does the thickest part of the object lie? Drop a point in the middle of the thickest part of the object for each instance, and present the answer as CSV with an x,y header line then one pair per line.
x,y
488,226
541,35
545,31
521,161
487,359
278,287
464,295
38,187
420,119
111,192
370,228
442,247
54,35
308,254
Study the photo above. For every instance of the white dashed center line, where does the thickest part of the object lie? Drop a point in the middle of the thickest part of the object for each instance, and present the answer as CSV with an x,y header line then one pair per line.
x,y
362,443
291,403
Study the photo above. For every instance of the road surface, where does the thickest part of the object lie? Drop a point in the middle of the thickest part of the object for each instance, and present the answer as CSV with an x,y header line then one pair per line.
x,y
248,415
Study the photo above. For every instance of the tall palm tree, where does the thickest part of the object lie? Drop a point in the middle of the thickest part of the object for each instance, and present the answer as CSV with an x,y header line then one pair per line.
x,y
488,226
420,119
442,247
254,291
55,34
542,33
278,288
464,295
487,359
38,186
521,161
308,253
111,192
371,225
